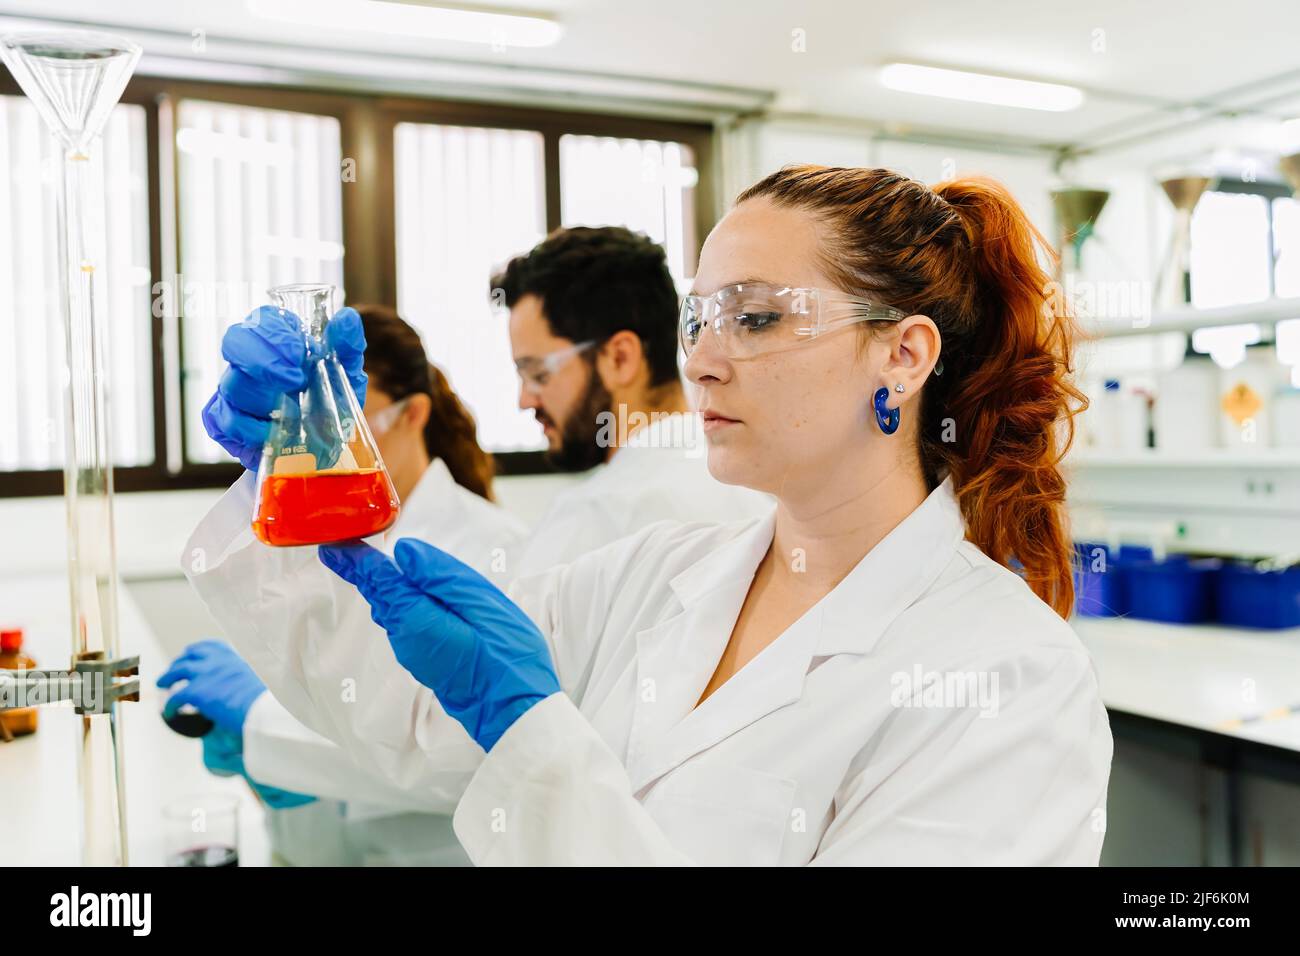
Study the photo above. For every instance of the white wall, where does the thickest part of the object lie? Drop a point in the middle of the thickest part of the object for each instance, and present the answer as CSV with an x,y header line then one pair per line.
x,y
151,531
756,148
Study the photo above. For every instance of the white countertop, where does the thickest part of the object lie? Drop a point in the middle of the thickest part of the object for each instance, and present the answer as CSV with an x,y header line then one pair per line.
x,y
41,797
1236,682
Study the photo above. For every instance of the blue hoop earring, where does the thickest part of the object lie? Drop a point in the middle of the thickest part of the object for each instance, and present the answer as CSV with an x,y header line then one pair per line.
x,y
886,418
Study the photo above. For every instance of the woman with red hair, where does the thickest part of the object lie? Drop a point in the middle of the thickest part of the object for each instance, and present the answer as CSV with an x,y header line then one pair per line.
x,y
879,670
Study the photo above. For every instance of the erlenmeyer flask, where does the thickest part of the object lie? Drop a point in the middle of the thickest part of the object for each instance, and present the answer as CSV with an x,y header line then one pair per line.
x,y
321,479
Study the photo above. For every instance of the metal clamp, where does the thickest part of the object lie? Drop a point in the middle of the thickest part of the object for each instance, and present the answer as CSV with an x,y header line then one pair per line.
x,y
94,685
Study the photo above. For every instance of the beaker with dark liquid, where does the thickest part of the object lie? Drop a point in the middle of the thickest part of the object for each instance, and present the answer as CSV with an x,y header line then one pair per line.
x,y
321,479
201,831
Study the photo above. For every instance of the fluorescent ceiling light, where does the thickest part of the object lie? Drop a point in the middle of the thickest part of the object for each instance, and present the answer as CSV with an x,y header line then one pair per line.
x,y
415,20
980,87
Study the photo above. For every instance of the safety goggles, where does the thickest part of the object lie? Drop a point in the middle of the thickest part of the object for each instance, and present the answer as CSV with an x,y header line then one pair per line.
x,y
755,318
384,419
535,373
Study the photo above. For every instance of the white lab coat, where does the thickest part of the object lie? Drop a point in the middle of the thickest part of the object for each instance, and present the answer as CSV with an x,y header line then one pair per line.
x,y
661,473
360,819
808,754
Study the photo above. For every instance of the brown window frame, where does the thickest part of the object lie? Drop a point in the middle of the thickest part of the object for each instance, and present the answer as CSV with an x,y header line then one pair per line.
x,y
367,123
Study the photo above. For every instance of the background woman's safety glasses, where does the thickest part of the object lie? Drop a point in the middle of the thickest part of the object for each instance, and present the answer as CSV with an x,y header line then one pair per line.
x,y
754,318
384,419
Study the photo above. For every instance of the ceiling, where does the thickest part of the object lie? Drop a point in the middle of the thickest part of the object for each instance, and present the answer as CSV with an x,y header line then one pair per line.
x,y
1142,64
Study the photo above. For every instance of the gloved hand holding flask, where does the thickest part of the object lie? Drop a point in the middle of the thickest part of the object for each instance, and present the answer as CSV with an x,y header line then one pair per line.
x,y
455,631
289,407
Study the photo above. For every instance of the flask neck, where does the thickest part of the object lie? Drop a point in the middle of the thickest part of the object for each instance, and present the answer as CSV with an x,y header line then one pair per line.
x,y
313,326
311,303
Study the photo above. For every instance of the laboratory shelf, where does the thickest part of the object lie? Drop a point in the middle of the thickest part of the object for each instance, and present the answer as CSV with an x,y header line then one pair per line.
x,y
1188,319
1218,501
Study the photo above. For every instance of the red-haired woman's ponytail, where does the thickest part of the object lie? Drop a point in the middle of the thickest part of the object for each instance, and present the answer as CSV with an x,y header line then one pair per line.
x,y
999,418
1014,401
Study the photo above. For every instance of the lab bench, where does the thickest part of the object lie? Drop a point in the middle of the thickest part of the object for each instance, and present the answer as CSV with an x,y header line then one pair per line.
x,y
41,794
1223,702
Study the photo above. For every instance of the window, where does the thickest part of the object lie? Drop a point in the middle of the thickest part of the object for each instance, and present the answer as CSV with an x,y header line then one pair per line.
x,y
467,200
31,321
1230,259
259,204
1245,244
217,192
1286,247
645,185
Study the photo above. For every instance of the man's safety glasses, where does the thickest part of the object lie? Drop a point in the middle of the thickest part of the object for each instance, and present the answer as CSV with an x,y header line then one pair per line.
x,y
535,373
754,318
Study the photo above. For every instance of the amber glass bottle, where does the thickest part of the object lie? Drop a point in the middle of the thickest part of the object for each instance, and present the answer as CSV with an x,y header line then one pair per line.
x,y
23,719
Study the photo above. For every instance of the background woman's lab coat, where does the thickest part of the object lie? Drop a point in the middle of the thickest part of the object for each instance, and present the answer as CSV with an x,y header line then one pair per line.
x,y
826,748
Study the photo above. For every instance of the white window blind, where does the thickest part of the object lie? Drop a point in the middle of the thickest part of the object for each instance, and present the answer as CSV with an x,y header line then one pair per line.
x,y
260,204
645,185
467,200
31,323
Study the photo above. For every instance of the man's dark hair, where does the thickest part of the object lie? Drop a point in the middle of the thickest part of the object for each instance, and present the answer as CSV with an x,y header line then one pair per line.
x,y
594,282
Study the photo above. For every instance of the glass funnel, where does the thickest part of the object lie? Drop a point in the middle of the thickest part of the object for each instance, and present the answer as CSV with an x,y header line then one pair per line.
x,y
74,78
321,479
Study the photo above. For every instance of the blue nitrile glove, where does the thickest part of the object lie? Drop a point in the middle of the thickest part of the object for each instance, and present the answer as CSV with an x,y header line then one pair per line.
x,y
223,754
221,686
267,353
454,630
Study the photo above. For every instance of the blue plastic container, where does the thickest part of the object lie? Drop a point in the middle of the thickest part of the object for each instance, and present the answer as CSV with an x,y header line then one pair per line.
x,y
1101,593
1097,581
1178,590
1249,598
1132,552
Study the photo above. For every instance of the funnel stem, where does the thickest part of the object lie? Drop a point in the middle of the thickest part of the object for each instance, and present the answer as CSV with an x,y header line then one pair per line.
x,y
88,492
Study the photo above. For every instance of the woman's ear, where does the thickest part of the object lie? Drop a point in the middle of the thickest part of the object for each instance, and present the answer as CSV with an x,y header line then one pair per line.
x,y
418,409
913,353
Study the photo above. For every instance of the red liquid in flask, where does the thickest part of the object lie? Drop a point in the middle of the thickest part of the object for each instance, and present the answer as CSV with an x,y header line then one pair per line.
x,y
324,508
